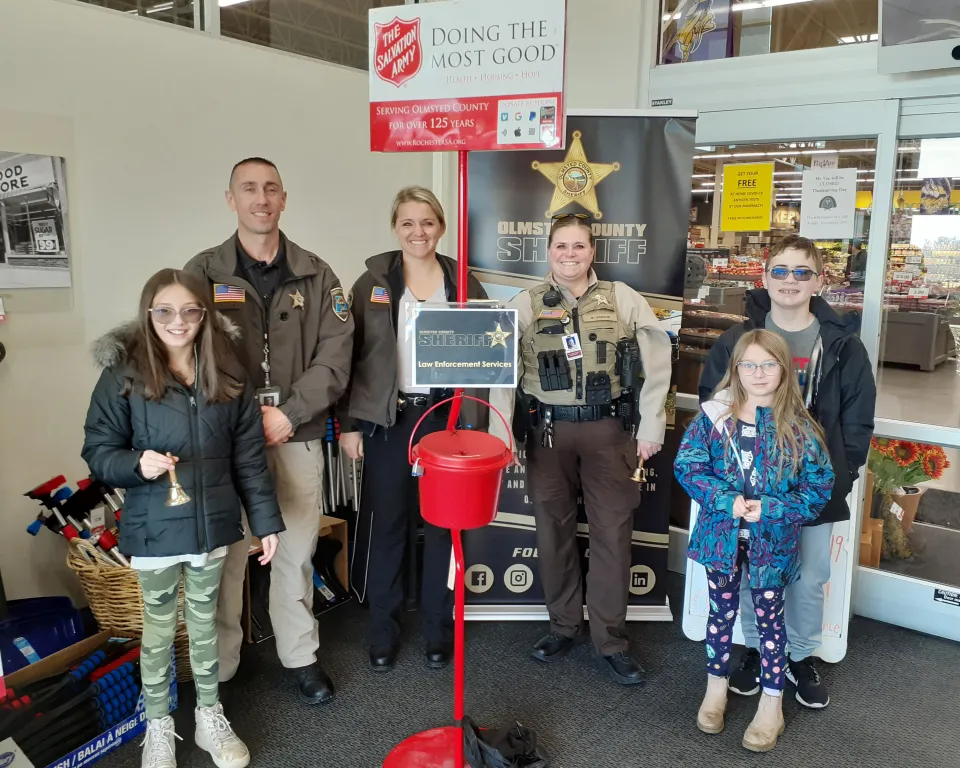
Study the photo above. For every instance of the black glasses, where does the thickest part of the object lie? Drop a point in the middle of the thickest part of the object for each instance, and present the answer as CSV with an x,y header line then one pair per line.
x,y
562,216
802,274
166,315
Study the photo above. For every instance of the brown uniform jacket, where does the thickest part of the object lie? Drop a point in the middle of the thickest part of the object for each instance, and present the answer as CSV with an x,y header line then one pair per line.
x,y
310,346
372,397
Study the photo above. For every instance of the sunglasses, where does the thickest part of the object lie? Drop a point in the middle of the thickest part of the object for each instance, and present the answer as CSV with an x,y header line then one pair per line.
x,y
750,369
166,315
562,216
801,274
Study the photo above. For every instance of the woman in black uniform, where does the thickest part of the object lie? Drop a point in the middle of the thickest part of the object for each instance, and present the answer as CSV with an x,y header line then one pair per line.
x,y
383,407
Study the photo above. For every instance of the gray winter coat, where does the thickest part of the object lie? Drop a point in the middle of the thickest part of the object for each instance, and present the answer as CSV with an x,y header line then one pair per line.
x,y
221,451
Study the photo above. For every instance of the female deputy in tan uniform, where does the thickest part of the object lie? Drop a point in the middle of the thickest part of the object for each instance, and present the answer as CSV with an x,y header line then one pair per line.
x,y
572,329
384,407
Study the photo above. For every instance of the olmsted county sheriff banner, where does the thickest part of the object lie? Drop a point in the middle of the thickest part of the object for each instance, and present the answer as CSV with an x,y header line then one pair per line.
x,y
631,176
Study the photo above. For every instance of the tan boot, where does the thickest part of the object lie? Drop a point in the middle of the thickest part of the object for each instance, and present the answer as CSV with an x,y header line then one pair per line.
x,y
710,716
767,725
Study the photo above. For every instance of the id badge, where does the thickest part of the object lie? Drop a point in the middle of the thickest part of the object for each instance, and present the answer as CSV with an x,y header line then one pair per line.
x,y
571,346
269,396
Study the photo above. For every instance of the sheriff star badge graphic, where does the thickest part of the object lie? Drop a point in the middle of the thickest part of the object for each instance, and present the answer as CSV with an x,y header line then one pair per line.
x,y
575,179
498,337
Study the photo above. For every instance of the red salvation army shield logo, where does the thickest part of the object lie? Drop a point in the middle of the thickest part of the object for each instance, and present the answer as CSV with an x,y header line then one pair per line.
x,y
398,55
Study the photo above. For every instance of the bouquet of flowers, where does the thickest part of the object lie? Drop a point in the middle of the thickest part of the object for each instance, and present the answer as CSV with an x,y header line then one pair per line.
x,y
897,466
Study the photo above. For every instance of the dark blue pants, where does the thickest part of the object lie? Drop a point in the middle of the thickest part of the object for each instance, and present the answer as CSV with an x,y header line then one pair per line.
x,y
769,618
389,497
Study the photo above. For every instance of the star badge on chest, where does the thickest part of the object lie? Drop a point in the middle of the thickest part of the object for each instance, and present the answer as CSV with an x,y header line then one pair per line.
x,y
298,300
602,301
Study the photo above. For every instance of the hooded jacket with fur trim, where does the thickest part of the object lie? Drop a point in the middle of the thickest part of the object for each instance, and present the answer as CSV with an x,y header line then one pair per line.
x,y
221,451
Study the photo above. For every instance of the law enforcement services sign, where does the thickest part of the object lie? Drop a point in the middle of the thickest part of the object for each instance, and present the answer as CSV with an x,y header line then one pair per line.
x,y
464,347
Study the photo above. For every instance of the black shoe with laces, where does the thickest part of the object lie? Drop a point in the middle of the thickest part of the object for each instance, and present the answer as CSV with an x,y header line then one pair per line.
x,y
811,692
313,684
553,647
623,668
746,680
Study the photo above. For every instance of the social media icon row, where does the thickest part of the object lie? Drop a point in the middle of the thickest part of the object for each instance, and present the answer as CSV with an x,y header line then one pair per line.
x,y
518,578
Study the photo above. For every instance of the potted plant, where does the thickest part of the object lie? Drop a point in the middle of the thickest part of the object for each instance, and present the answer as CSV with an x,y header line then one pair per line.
x,y
898,466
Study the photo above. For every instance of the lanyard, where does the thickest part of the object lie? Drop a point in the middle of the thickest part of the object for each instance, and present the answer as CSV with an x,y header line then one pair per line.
x,y
265,365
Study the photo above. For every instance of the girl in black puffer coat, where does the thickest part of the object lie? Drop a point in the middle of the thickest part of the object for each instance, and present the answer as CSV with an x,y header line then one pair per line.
x,y
172,394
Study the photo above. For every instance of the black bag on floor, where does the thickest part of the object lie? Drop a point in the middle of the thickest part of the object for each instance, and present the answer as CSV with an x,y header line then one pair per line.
x,y
514,747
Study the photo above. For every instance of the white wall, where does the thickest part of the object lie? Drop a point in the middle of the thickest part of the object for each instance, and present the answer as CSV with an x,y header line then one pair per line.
x,y
150,118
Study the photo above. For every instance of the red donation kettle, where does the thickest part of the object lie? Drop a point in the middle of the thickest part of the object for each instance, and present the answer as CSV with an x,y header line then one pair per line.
x,y
461,475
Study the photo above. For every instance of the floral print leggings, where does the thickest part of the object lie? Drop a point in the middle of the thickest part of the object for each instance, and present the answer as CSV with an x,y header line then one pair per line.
x,y
768,605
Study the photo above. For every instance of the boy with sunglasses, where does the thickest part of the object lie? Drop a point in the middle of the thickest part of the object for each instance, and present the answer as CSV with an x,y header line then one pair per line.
x,y
838,388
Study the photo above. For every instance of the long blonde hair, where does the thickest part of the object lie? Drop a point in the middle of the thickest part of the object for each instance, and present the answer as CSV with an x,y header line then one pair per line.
x,y
792,422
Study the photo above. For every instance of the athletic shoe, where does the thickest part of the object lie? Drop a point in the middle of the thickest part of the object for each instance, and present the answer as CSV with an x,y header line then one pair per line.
x,y
811,692
215,735
746,680
159,747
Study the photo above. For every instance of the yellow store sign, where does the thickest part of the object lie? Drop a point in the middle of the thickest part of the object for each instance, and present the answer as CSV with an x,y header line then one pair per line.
x,y
747,197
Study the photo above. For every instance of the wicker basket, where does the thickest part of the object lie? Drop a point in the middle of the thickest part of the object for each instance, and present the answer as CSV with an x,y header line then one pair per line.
x,y
114,596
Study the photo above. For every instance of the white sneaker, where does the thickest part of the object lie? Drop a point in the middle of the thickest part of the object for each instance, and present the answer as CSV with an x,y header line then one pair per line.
x,y
216,736
159,747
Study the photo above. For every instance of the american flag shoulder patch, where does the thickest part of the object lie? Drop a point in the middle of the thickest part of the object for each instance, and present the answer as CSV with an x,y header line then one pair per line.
x,y
552,314
379,295
223,292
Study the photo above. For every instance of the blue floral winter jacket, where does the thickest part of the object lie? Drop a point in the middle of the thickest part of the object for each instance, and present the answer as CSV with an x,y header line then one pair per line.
x,y
709,472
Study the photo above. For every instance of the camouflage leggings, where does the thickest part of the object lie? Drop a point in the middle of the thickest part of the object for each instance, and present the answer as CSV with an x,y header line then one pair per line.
x,y
201,589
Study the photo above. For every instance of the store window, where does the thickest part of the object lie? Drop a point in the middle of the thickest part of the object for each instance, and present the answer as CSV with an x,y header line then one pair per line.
x,y
817,188
331,30
911,516
919,375
704,30
179,12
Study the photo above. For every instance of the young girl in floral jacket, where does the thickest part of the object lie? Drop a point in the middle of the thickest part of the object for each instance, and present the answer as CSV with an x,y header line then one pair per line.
x,y
755,463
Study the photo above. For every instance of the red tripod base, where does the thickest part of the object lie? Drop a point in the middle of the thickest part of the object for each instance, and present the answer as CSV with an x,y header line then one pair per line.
x,y
436,748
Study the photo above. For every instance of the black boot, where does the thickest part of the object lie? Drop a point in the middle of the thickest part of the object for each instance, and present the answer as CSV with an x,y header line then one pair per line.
x,y
313,684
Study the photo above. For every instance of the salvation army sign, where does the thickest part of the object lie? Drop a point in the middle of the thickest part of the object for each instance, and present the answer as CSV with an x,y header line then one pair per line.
x,y
399,54
467,75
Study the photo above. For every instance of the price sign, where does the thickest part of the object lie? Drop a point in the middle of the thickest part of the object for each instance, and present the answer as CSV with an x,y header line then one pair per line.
x,y
902,277
721,263
920,293
45,238
915,259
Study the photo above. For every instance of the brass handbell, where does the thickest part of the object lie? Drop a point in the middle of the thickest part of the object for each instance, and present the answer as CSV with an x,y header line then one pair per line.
x,y
639,475
176,496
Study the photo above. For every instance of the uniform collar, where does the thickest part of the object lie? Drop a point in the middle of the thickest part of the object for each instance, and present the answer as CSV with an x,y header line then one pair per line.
x,y
569,297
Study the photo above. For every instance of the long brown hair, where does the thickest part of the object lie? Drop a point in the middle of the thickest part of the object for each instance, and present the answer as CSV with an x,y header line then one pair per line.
x,y
791,420
147,355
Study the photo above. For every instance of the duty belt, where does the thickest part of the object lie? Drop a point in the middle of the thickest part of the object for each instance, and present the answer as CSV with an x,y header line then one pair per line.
x,y
579,412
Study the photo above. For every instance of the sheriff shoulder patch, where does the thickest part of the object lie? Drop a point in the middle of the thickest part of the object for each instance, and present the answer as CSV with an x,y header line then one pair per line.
x,y
341,307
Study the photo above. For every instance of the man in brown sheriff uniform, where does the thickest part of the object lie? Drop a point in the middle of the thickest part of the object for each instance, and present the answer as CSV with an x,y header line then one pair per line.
x,y
296,347
571,327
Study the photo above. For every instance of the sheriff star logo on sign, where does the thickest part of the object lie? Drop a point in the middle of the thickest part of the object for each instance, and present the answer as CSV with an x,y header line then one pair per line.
x,y
399,55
